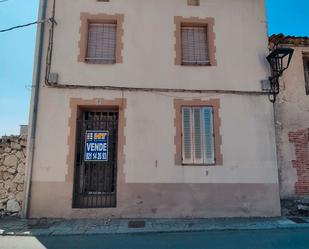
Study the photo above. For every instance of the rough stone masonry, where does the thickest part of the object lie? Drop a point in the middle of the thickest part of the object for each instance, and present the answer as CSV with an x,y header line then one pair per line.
x,y
12,172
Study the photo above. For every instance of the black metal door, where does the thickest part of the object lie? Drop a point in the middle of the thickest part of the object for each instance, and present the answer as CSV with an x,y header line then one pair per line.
x,y
95,182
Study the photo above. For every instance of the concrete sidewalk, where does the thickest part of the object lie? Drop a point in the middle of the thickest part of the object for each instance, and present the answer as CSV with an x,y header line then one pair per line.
x,y
54,227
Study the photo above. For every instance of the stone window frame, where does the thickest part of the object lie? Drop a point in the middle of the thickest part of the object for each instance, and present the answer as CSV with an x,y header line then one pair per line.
x,y
85,19
78,104
208,22
215,104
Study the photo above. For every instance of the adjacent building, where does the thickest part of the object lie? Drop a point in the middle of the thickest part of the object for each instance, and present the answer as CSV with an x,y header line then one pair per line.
x,y
292,121
151,109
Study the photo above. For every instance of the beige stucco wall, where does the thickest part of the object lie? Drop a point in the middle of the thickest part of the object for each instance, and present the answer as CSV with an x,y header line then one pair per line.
x,y
291,116
151,184
149,54
150,121
245,185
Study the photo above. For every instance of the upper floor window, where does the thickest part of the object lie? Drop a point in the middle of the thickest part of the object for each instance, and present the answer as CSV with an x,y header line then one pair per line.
x,y
194,45
194,2
101,38
101,47
306,69
195,41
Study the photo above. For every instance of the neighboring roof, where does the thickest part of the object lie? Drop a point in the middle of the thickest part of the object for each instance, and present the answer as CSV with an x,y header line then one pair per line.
x,y
289,40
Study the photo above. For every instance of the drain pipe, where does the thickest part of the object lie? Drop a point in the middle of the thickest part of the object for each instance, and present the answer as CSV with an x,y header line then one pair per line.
x,y
34,109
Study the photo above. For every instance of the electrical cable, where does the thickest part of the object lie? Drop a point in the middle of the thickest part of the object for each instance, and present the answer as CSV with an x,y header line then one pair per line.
x,y
24,25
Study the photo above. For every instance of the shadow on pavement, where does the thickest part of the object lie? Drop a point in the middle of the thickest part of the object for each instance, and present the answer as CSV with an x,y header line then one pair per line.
x,y
258,239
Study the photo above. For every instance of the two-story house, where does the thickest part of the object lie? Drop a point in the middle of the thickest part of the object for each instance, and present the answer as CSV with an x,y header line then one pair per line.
x,y
151,109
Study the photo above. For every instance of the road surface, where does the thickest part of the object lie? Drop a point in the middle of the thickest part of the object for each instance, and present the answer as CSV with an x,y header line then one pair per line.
x,y
258,239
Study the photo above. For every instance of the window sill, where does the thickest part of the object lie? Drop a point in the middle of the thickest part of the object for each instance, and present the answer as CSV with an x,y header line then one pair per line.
x,y
99,63
196,65
199,165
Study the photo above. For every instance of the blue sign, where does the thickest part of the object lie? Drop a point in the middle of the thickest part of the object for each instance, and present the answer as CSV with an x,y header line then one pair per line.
x,y
96,146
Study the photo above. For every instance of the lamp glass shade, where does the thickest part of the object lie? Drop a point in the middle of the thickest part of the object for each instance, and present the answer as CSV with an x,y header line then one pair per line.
x,y
280,59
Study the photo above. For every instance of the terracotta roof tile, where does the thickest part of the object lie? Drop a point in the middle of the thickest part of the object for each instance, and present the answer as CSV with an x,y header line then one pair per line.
x,y
289,40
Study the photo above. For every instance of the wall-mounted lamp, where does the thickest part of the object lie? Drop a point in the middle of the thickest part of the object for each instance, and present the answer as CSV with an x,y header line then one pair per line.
x,y
279,60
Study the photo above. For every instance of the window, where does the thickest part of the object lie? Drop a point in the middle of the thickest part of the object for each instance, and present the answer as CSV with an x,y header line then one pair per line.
x,y
197,135
195,41
194,2
306,68
197,139
194,45
101,46
101,38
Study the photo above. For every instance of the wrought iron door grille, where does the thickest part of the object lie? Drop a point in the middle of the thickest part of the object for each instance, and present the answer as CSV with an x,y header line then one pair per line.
x,y
95,182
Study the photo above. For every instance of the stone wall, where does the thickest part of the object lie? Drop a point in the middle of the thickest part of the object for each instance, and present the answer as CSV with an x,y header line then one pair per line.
x,y
12,172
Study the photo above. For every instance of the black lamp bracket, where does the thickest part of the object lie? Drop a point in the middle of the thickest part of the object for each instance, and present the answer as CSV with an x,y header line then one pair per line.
x,y
279,60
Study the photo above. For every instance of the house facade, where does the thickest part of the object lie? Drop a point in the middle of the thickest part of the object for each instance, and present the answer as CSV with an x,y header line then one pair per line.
x,y
292,121
151,109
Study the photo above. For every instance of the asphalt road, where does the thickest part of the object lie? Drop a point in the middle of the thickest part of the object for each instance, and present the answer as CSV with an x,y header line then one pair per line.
x,y
259,239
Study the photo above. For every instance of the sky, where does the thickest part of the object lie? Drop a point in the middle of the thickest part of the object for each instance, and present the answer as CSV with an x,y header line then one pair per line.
x,y
290,17
16,64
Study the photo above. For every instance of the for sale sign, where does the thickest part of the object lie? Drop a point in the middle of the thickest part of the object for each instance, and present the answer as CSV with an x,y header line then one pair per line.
x,y
96,146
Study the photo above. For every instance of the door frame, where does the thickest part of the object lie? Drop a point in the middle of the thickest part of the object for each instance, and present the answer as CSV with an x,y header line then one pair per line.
x,y
76,106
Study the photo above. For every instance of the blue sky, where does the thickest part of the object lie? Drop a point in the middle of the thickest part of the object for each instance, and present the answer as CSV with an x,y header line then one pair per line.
x,y
16,64
17,51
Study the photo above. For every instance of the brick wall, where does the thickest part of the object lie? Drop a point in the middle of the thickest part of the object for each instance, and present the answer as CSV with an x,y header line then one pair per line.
x,y
300,140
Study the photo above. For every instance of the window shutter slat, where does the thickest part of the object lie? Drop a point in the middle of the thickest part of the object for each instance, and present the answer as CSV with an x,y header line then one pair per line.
x,y
198,150
186,135
208,135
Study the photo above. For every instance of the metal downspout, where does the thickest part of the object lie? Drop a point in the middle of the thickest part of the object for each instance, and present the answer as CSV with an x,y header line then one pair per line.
x,y
34,112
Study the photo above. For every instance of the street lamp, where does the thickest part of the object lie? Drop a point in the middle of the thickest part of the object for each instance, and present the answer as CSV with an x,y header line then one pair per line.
x,y
279,60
